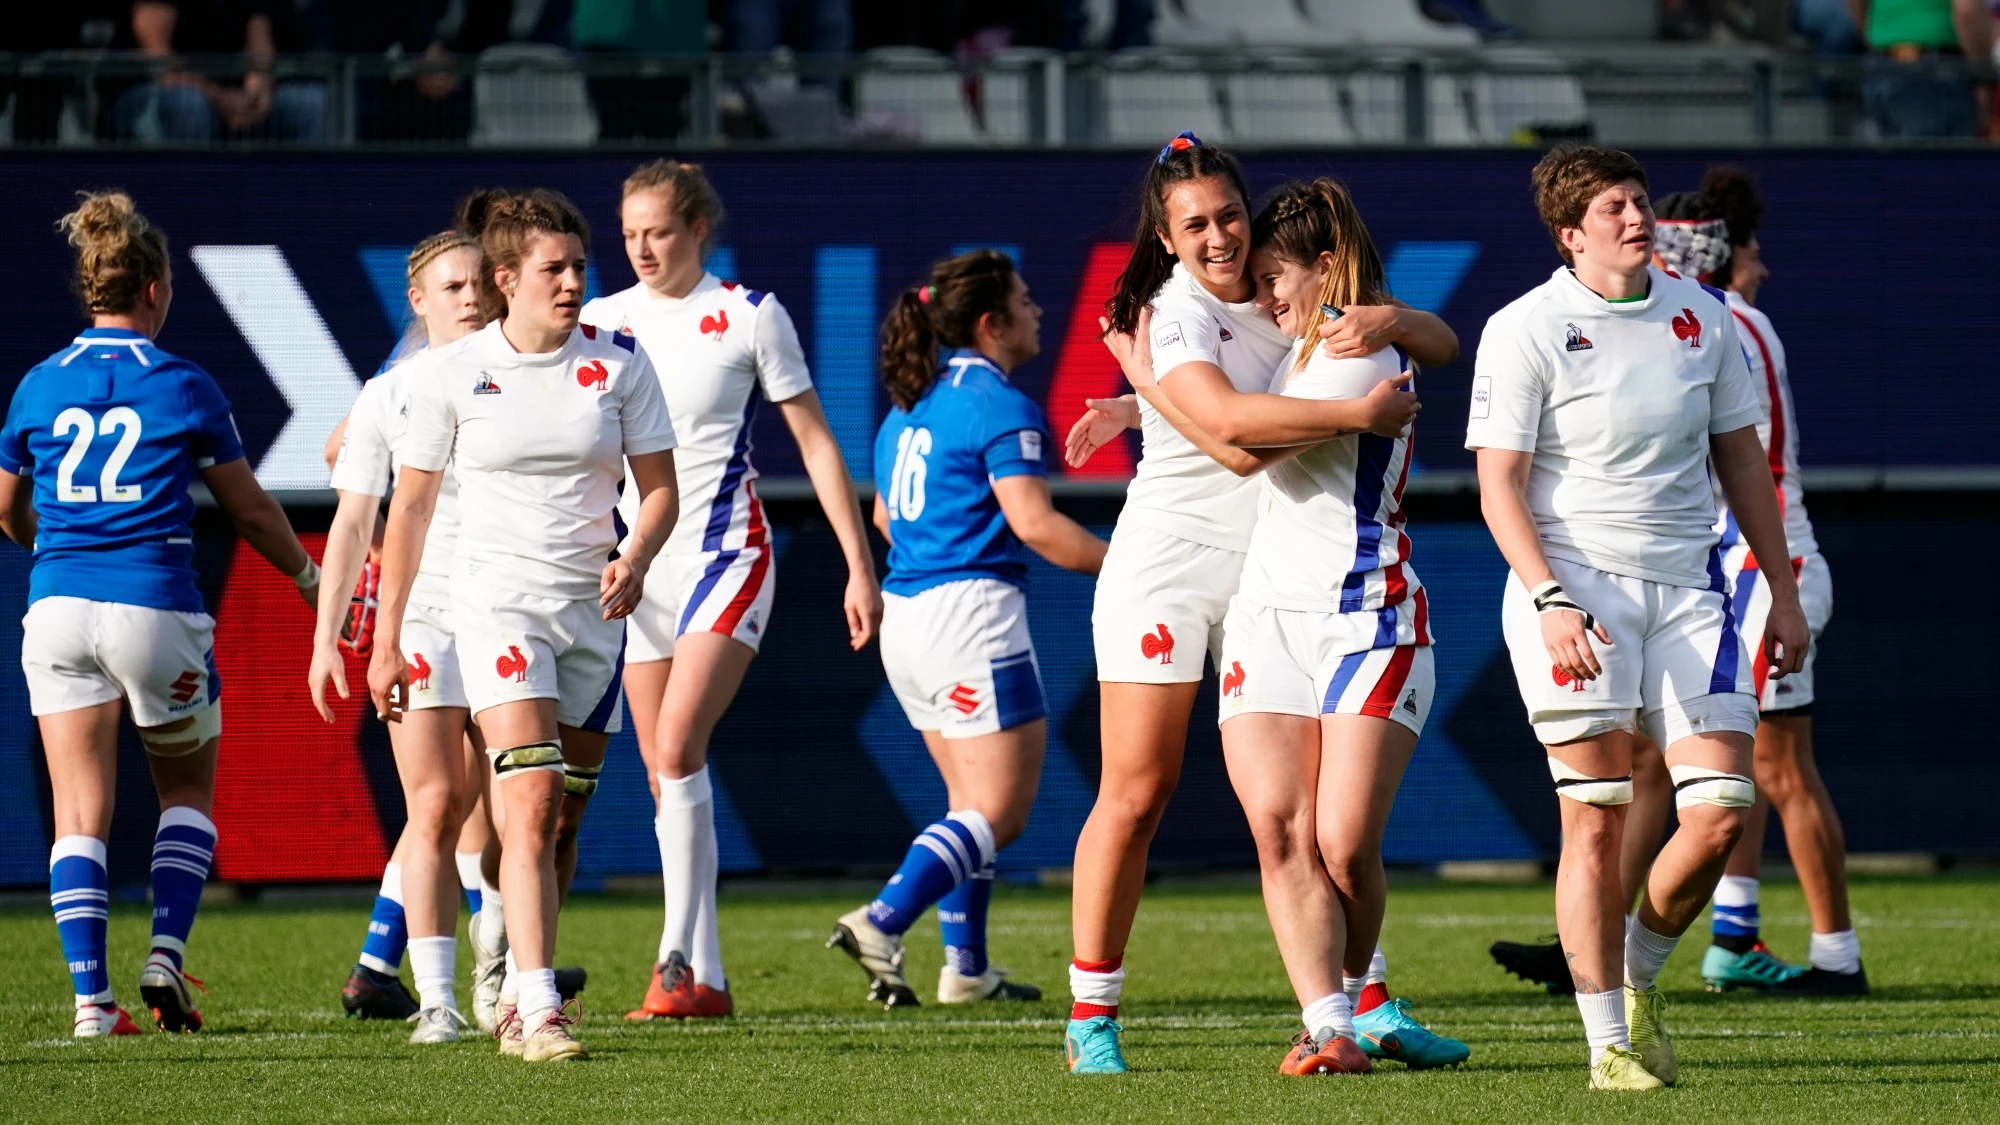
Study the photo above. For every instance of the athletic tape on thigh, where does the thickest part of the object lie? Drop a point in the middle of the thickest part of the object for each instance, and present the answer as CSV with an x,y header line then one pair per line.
x,y
1590,790
1697,785
533,756
580,781
162,743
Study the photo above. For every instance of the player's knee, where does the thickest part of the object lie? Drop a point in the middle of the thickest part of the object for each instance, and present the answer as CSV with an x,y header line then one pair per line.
x,y
183,736
1699,785
1138,807
1351,868
1283,840
433,812
1587,789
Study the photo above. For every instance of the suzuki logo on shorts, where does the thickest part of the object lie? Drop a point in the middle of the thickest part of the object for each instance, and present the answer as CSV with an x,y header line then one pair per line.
x,y
1159,645
1564,679
714,326
420,672
184,687
591,376
965,699
1232,680
1686,327
514,665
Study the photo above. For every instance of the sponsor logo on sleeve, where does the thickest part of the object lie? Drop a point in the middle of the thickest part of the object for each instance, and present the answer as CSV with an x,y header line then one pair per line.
x,y
1482,396
1031,445
1169,335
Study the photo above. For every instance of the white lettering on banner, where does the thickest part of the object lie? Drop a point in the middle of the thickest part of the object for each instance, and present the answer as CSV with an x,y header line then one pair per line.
x,y
264,299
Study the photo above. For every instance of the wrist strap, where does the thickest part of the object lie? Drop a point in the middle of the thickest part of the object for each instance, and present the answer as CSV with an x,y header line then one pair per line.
x,y
1550,598
307,577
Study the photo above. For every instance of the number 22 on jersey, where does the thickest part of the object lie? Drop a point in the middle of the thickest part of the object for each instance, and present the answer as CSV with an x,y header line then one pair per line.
x,y
906,487
122,420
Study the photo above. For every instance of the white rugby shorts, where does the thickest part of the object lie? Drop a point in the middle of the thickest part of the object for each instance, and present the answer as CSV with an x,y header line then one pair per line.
x,y
1160,604
960,660
1310,663
432,654
515,646
1675,667
78,653
1750,601
727,592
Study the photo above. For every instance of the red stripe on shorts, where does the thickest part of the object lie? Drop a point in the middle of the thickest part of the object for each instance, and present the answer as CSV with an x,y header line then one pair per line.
x,y
1382,700
732,614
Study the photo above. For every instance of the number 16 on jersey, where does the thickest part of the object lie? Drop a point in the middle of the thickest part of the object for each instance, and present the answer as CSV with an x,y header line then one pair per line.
x,y
906,483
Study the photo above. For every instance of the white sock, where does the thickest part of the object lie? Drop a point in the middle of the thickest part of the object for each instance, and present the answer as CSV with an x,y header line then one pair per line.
x,y
685,822
1836,953
1735,890
1101,989
707,955
1331,1013
433,961
510,985
1646,954
538,996
468,874
1353,986
1603,1021
1378,969
492,918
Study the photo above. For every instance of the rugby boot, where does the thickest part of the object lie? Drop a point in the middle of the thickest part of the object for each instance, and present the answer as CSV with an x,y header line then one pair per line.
x,y
1539,962
989,985
1645,1016
1620,1068
1332,1055
369,995
551,1040
437,1025
1723,970
670,977
880,955
1824,982
1388,1031
163,988
99,1021
1091,1046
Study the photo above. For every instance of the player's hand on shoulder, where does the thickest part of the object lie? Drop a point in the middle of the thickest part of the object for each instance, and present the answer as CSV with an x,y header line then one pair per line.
x,y
1360,330
619,587
1392,406
1135,360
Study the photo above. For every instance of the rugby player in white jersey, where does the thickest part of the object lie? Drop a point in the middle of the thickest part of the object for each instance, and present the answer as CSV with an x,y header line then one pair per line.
x,y
1177,552
1602,402
1326,669
538,417
718,348
429,743
1712,234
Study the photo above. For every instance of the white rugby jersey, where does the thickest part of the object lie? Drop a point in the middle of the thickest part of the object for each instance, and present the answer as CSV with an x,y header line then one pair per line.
x,y
1616,400
1329,534
538,442
1779,429
711,350
1178,489
376,427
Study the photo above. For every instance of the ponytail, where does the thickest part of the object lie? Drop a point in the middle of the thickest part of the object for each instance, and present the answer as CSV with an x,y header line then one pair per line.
x,y
506,223
942,313
1184,159
1305,220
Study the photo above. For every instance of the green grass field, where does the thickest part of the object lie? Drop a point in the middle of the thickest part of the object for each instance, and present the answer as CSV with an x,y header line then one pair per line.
x,y
1207,1014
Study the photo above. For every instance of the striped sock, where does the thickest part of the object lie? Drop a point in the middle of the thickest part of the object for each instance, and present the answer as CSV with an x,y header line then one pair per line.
x,y
80,895
1095,986
388,934
942,856
1734,920
183,852
962,923
469,879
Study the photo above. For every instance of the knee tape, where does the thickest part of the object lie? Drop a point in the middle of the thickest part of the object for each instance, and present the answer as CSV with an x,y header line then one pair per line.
x,y
580,781
1578,786
521,759
1695,785
184,740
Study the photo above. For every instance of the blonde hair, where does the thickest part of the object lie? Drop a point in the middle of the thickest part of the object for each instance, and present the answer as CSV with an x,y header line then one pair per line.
x,y
118,253
693,197
1306,220
415,332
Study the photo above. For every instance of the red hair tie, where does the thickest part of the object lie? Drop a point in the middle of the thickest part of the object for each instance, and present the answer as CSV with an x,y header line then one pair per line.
x,y
925,294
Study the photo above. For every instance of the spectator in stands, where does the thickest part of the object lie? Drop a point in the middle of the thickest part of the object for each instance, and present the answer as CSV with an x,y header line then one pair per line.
x,y
1829,25
1923,55
183,105
633,108
38,99
809,27
416,92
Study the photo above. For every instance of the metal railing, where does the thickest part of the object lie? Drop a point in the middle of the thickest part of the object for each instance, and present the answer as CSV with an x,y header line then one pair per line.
x,y
527,96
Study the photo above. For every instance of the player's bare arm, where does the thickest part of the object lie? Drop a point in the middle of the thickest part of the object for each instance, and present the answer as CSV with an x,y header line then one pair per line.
x,y
1503,501
1025,501
410,513
827,469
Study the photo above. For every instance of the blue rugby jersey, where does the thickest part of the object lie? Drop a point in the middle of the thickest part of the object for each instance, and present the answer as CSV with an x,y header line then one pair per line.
x,y
112,430
935,465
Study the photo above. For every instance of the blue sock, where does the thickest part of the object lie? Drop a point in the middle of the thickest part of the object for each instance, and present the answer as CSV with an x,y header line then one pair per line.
x,y
469,878
80,895
1735,919
382,950
940,858
183,852
962,921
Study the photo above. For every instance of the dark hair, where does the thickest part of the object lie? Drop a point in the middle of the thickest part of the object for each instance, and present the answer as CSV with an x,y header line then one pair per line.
x,y
506,223
1734,195
945,311
118,253
1305,220
1151,262
1570,176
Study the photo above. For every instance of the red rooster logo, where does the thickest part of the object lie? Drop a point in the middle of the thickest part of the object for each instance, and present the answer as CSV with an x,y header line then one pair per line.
x,y
714,326
420,672
513,665
1686,327
591,376
1564,679
1159,644
1232,680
